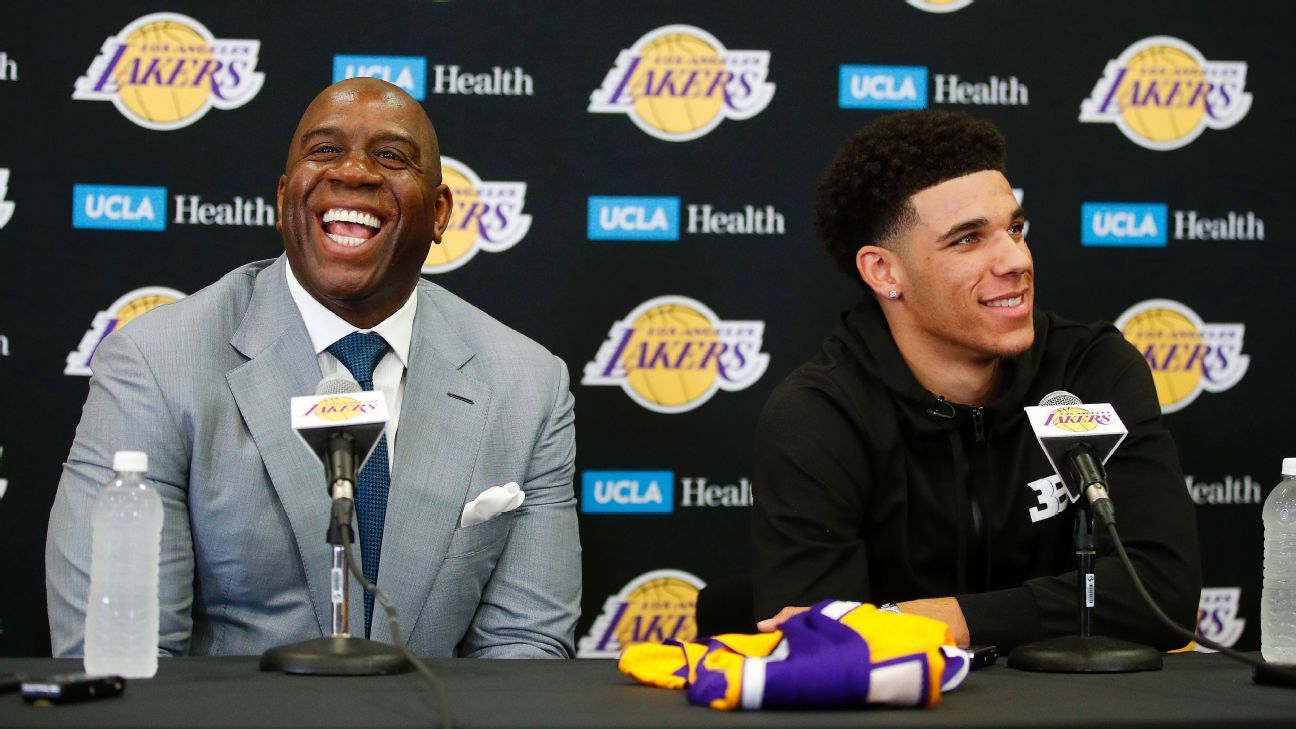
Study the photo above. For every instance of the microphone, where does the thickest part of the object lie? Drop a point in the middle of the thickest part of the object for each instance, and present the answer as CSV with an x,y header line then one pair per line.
x,y
1078,439
340,425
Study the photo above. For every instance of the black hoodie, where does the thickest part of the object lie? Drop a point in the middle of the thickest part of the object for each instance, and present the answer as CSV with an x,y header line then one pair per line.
x,y
869,487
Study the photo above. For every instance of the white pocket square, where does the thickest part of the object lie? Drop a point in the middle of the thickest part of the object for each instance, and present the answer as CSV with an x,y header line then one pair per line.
x,y
491,503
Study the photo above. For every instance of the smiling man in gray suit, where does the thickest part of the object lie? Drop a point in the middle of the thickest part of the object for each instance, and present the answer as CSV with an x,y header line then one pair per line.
x,y
203,387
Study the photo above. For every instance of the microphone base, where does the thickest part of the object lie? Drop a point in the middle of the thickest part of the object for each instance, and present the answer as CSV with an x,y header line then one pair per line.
x,y
1080,654
336,655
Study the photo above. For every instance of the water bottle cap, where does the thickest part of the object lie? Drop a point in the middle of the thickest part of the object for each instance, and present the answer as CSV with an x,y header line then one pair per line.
x,y
137,461
1289,467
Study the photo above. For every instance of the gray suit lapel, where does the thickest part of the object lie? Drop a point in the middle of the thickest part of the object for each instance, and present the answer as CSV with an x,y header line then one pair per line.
x,y
437,448
282,365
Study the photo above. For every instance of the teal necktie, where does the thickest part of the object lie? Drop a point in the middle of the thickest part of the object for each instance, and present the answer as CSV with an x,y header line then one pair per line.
x,y
360,353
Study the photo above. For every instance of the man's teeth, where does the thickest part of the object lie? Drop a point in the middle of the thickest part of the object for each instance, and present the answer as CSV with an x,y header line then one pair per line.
x,y
352,216
346,240
1014,301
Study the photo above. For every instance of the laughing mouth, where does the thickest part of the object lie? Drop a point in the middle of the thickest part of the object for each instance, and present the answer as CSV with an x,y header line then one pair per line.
x,y
1005,303
349,227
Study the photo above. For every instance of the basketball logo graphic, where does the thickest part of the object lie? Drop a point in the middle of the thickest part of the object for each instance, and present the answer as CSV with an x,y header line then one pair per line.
x,y
1074,419
1217,616
655,606
1162,93
679,82
121,313
1186,355
165,71
939,6
486,216
671,354
339,408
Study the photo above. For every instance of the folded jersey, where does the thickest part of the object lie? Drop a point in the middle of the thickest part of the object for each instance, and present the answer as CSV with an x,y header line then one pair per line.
x,y
836,655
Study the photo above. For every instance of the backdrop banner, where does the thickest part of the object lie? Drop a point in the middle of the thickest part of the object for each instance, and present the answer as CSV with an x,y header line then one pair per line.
x,y
633,185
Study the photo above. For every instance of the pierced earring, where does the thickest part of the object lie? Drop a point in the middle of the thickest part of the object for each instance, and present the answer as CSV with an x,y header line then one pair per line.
x,y
893,294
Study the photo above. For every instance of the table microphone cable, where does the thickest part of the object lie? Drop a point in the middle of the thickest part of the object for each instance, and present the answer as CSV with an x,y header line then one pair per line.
x,y
1285,674
438,689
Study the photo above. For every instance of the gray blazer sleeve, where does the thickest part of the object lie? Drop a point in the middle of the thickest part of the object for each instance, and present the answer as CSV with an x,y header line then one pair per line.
x,y
125,410
530,605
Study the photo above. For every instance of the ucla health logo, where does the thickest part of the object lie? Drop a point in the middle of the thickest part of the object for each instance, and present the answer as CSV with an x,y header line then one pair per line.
x,y
166,70
1123,224
634,218
1162,93
1217,616
407,72
653,607
882,87
1187,355
487,216
939,6
672,353
679,82
119,207
627,492
6,206
122,311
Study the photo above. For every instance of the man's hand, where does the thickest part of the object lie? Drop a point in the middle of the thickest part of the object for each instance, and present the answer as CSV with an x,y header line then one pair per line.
x,y
772,624
944,609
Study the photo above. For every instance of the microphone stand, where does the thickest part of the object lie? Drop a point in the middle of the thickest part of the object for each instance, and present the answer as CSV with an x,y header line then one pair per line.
x,y
1085,652
339,654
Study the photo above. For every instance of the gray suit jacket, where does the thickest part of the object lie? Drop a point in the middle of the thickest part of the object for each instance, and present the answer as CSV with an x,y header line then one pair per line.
x,y
203,386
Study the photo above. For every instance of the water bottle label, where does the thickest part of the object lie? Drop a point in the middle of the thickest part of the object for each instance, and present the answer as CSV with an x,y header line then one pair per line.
x,y
336,583
1089,589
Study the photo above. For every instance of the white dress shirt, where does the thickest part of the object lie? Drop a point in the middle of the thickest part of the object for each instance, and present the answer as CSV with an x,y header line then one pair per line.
x,y
325,328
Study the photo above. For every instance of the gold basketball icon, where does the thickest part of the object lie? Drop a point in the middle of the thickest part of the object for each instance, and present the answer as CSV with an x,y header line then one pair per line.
x,y
1168,340
146,90
665,361
667,62
140,305
459,237
1144,94
661,608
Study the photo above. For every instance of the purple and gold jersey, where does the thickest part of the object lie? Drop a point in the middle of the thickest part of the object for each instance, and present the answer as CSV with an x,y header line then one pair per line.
x,y
835,655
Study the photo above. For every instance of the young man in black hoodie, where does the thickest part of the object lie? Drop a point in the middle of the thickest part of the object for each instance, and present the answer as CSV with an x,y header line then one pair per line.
x,y
898,466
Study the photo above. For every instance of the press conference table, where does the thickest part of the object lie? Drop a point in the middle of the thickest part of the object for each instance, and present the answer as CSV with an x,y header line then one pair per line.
x,y
1193,690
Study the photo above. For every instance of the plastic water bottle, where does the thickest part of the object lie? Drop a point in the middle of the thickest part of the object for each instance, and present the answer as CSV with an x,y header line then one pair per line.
x,y
1278,597
121,631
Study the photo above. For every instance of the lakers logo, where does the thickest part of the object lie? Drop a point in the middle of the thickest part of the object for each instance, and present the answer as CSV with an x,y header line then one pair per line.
x,y
166,70
122,311
1186,355
655,606
678,83
339,408
1076,420
939,6
1217,616
1162,93
672,353
487,216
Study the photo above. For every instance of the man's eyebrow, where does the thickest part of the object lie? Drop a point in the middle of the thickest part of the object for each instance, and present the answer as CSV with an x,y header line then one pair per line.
x,y
964,227
970,225
319,132
381,136
397,137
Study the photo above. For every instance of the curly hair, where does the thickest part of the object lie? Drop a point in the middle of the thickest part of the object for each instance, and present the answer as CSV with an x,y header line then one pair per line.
x,y
863,197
